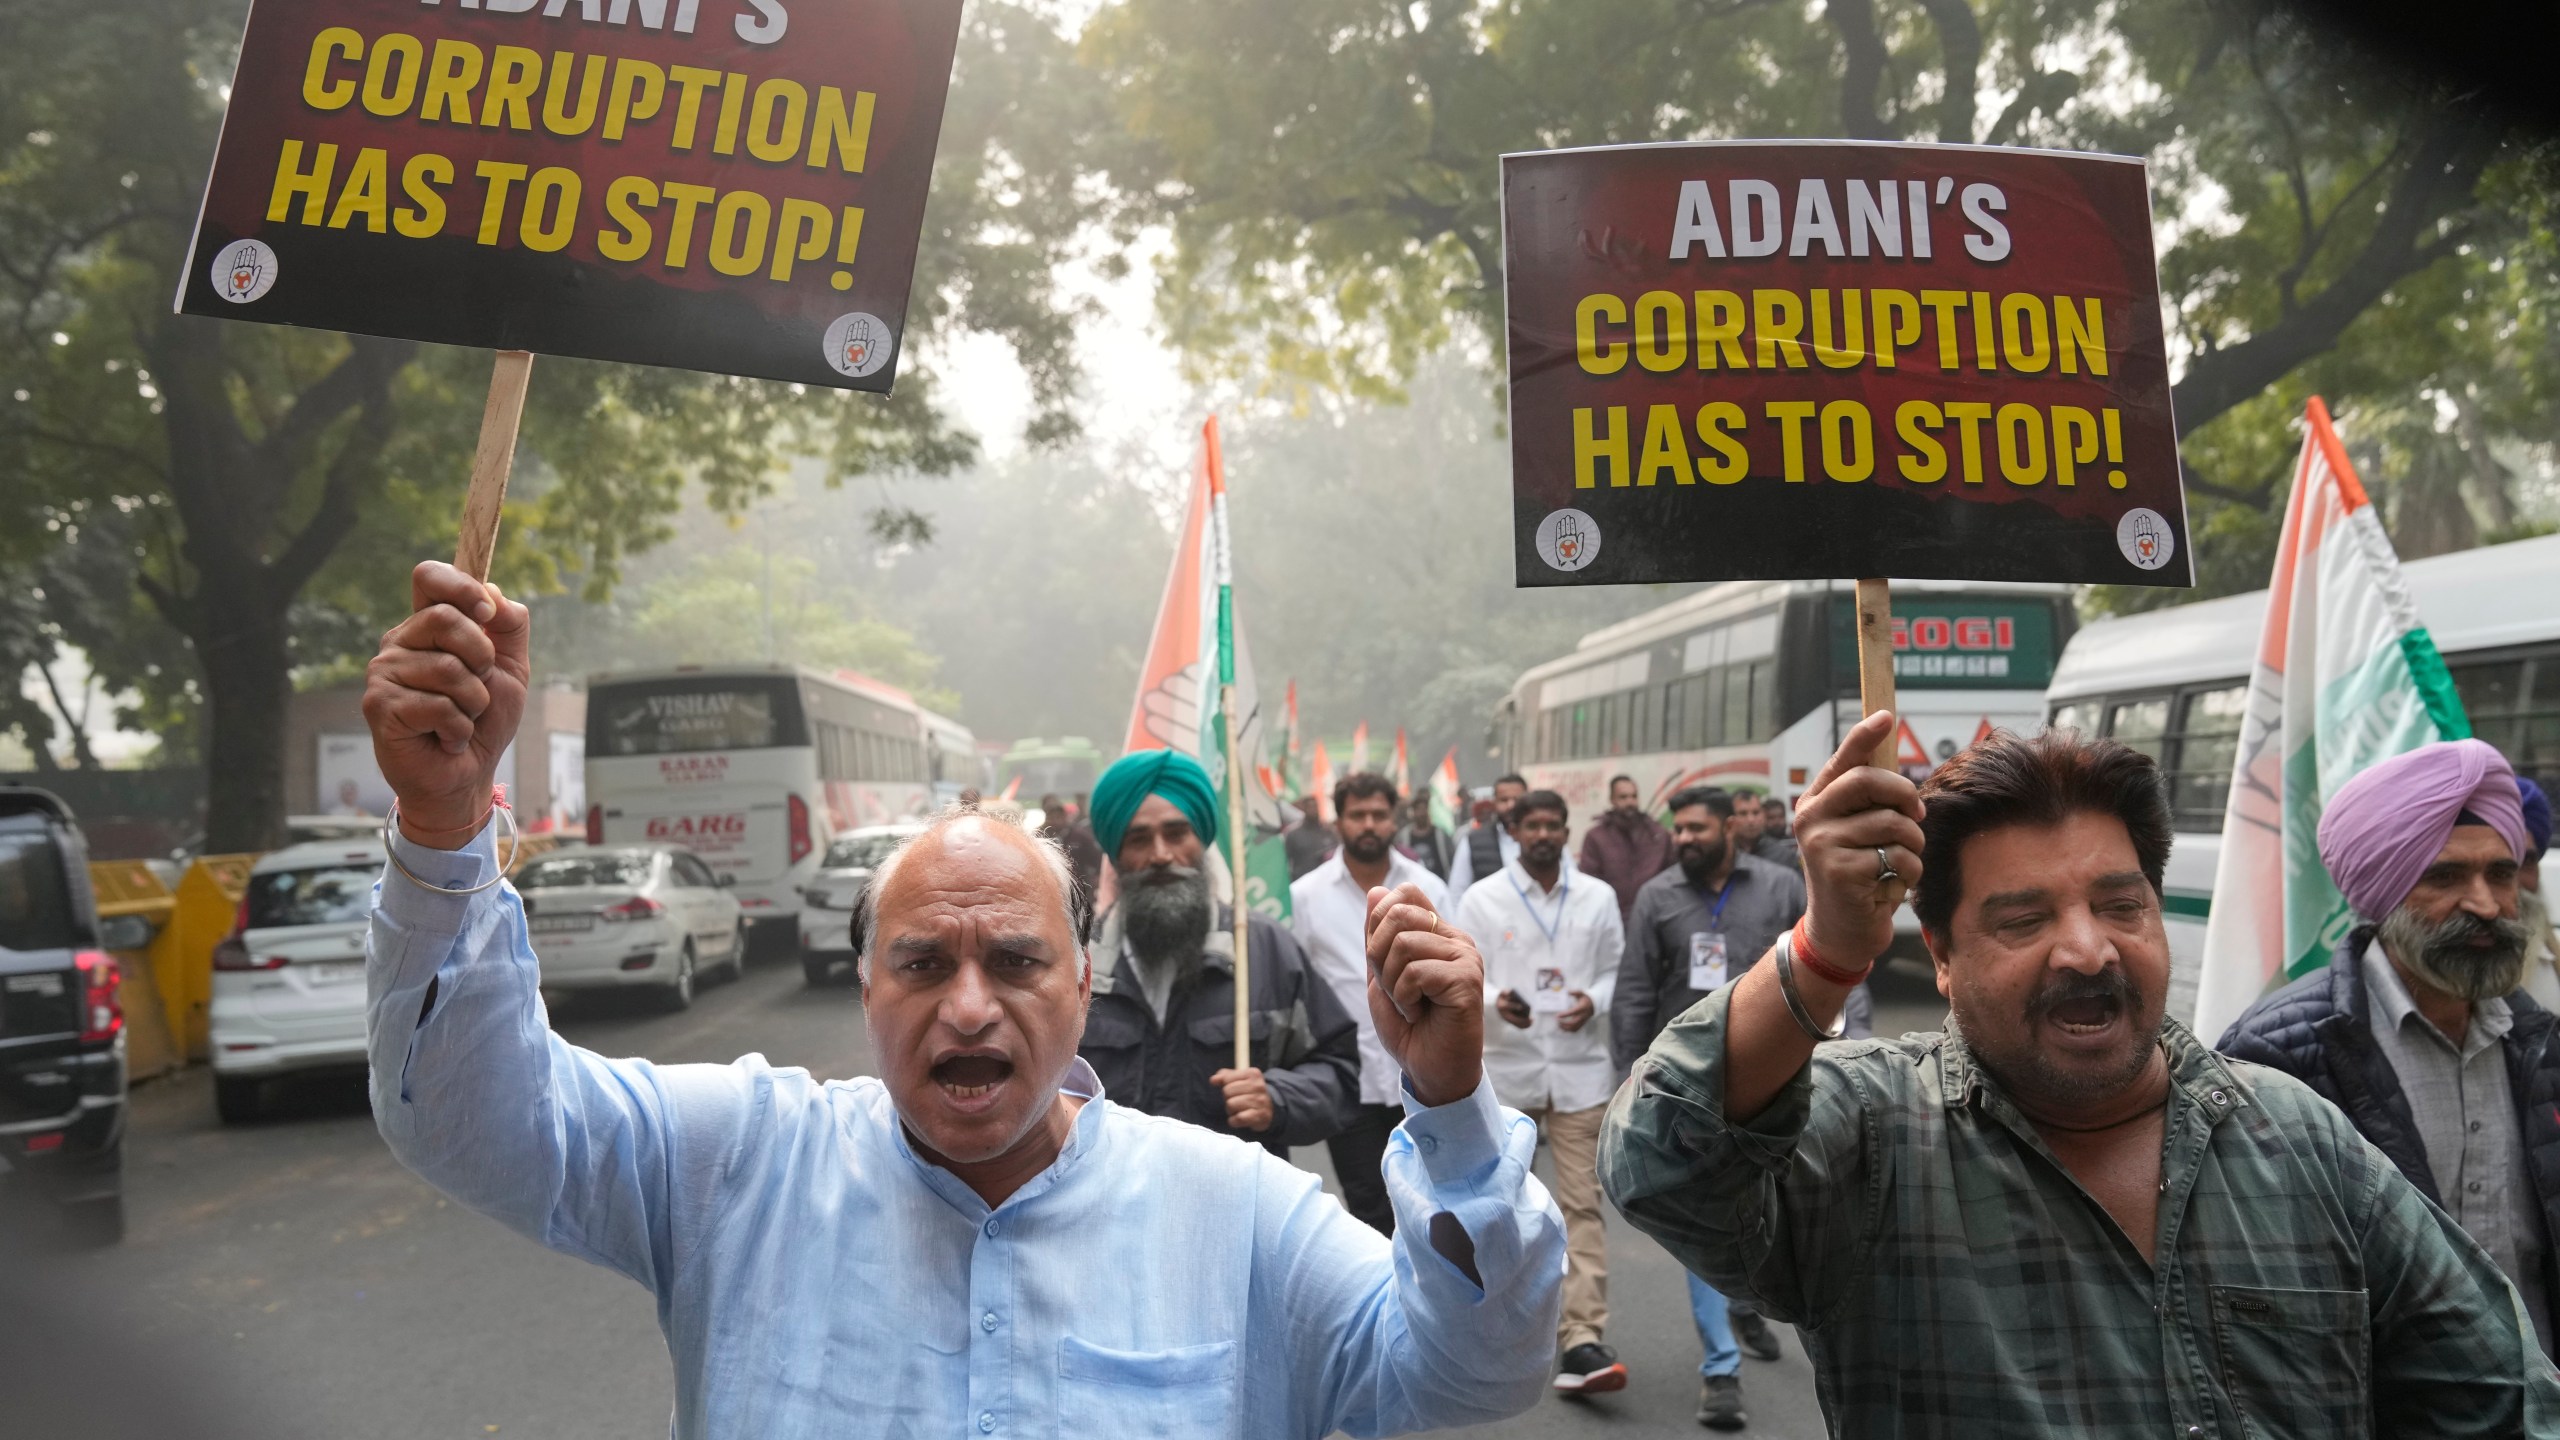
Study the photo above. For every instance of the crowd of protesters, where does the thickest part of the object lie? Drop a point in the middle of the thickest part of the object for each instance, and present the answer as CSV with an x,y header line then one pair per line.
x,y
2061,1213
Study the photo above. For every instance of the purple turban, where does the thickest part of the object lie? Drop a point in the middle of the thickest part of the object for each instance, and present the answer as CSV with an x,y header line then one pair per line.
x,y
2387,825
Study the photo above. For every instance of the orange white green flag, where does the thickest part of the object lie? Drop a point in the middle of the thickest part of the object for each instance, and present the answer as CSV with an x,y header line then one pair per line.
x,y
1177,702
1360,747
1444,793
2345,676
1320,783
1401,772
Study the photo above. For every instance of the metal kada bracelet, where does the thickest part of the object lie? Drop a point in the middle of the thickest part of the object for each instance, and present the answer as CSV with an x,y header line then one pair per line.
x,y
390,828
1786,961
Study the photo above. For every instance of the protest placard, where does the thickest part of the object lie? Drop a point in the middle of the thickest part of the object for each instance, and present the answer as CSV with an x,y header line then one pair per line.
x,y
724,185
1772,360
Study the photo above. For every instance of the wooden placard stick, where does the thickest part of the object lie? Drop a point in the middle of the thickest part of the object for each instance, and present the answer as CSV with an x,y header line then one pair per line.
x,y
1875,678
491,462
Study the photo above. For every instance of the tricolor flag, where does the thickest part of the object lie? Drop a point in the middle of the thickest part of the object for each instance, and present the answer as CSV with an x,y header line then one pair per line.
x,y
1360,747
1287,749
1320,783
1445,811
2345,676
1402,773
1177,704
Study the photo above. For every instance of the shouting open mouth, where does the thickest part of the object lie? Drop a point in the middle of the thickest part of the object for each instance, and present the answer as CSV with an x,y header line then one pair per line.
x,y
971,1078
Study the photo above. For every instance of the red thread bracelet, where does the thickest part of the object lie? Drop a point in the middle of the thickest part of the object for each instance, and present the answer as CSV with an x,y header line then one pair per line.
x,y
1805,956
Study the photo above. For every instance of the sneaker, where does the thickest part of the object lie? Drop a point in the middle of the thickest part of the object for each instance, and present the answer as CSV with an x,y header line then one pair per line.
x,y
1590,1369
1720,1403
1757,1340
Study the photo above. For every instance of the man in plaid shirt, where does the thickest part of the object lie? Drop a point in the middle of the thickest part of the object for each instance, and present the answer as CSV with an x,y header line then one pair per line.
x,y
2063,1215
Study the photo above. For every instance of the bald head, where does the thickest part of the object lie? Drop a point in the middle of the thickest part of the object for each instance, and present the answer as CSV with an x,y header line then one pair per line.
x,y
974,986
986,853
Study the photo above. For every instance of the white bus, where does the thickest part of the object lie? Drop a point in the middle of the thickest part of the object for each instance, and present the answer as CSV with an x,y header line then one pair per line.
x,y
756,767
1749,685
2171,684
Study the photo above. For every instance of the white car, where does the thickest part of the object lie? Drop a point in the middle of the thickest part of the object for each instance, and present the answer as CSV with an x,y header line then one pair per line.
x,y
826,912
288,986
630,916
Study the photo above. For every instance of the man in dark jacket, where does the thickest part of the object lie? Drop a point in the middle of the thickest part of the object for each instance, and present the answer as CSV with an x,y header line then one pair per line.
x,y
1161,1029
1308,842
1625,846
2416,1030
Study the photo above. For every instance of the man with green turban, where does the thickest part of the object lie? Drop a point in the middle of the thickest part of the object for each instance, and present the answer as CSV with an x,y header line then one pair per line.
x,y
1161,1030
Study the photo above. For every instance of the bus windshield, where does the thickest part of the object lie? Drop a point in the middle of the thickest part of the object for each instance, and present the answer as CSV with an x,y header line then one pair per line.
x,y
688,714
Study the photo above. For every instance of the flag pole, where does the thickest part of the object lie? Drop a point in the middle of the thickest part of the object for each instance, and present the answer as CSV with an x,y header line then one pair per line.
x,y
491,462
1234,745
1875,679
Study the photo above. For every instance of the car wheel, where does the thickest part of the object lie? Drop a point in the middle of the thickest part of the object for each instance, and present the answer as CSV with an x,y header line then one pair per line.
x,y
678,995
737,966
238,1101
94,1224
817,969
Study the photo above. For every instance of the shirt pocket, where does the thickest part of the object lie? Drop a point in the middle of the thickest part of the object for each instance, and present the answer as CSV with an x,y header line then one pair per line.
x,y
2296,1363
1215,1037
1147,1394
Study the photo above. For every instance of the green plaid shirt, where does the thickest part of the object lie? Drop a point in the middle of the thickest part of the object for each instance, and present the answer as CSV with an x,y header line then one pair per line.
x,y
1950,1277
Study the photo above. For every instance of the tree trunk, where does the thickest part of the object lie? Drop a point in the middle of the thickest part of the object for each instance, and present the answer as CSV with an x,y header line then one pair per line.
x,y
248,680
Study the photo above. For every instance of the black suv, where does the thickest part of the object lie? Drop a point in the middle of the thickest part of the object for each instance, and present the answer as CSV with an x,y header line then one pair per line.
x,y
62,1076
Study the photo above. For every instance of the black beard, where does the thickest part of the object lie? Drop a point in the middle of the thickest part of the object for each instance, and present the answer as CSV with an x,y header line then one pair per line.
x,y
1698,859
2446,956
1541,855
1368,848
1164,912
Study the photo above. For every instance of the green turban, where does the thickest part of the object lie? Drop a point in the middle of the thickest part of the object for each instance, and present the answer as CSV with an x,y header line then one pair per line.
x,y
1141,773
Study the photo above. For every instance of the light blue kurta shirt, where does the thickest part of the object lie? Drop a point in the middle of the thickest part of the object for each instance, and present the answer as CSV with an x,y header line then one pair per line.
x,y
815,1278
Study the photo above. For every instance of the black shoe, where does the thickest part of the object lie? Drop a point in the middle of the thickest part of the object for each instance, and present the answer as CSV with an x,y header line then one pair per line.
x,y
1755,1337
1590,1369
1720,1403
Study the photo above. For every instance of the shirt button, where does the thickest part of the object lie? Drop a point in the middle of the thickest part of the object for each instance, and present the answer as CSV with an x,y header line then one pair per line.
x,y
2220,1099
992,1227
2475,1187
2475,1125
986,1422
987,1322
2195,1429
1430,1144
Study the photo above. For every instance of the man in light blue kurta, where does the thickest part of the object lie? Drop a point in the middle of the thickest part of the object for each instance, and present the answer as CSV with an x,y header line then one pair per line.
x,y
978,1243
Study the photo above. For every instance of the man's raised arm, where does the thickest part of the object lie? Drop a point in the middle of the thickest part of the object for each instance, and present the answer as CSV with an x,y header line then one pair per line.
x,y
470,1087
1718,1144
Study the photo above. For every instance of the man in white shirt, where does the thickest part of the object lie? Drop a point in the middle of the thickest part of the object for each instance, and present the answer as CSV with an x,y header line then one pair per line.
x,y
1486,846
1551,943
1328,907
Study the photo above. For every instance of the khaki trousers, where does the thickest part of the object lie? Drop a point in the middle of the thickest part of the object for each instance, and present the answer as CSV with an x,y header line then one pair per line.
x,y
1573,1144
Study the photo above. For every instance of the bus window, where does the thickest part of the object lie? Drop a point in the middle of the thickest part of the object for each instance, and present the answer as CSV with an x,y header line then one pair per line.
x,y
2080,715
2208,740
2141,724
2515,705
686,715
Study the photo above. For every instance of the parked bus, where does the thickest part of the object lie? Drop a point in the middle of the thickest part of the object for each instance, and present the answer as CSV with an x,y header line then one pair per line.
x,y
2173,684
756,767
1750,684
1064,767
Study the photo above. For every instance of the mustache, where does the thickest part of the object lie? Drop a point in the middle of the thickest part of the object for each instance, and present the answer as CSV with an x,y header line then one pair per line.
x,y
2063,987
1168,874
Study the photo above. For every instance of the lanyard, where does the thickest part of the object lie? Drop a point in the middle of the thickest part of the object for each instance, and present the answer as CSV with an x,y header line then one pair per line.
x,y
1563,884
1715,917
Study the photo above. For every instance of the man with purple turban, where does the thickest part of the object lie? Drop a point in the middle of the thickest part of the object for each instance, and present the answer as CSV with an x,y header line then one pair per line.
x,y
2417,1029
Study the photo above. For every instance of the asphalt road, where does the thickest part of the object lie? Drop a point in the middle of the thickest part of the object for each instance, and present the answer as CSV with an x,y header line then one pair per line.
x,y
289,1278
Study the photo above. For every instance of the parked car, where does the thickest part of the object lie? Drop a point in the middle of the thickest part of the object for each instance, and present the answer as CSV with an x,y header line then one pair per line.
x,y
623,916
827,904
288,986
62,1070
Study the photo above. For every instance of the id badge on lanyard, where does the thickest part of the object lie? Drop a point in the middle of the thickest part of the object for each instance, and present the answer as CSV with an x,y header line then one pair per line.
x,y
1706,961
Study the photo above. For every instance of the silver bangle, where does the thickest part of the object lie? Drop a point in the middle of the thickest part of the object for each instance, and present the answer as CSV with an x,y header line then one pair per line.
x,y
1785,951
390,830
